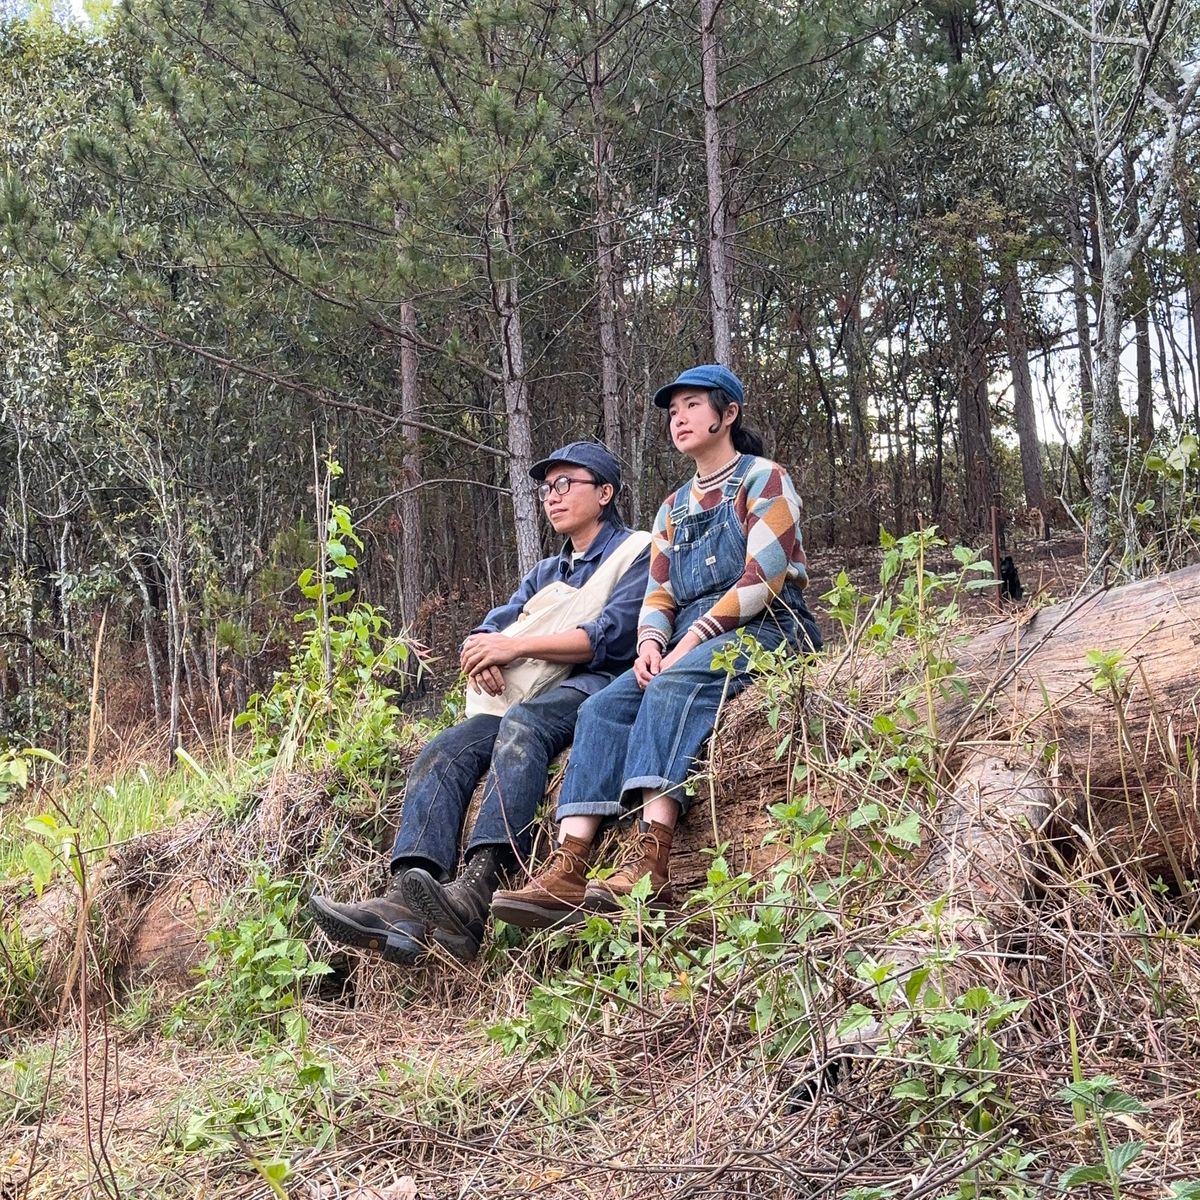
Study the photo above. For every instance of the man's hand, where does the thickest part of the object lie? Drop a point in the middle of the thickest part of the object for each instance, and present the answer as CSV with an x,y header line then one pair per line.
x,y
489,680
482,650
648,663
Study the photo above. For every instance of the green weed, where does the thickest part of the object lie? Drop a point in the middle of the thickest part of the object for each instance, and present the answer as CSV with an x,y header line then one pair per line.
x,y
334,703
255,974
106,815
1099,1100
31,1082
290,1102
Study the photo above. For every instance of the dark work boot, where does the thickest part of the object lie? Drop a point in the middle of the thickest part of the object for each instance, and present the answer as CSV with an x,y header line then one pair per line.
x,y
385,925
456,912
554,896
648,847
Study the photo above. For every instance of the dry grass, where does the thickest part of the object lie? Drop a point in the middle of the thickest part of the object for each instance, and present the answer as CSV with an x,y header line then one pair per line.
x,y
651,1073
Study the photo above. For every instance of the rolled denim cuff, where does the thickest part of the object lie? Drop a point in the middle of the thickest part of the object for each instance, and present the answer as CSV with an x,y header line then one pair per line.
x,y
664,787
588,808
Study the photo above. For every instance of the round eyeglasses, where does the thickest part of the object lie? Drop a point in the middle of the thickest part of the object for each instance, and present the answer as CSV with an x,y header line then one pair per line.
x,y
562,485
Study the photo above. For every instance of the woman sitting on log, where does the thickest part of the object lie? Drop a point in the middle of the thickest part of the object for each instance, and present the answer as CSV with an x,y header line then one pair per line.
x,y
726,558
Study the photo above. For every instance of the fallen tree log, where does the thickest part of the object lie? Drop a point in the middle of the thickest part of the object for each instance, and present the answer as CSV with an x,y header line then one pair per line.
x,y
1107,691
1083,715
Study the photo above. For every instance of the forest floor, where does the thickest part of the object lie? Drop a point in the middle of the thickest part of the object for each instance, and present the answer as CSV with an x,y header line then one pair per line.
x,y
185,1032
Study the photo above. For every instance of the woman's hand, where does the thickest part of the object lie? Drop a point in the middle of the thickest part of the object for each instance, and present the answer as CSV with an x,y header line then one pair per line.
x,y
490,680
482,650
687,644
648,663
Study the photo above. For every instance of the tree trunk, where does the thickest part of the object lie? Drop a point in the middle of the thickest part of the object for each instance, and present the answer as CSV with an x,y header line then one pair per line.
x,y
606,274
977,467
149,616
1139,305
1105,405
852,351
506,299
412,540
1026,419
1079,290
718,208
1191,278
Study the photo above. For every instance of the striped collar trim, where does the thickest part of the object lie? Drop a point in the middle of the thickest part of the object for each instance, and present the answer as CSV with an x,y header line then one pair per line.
x,y
707,482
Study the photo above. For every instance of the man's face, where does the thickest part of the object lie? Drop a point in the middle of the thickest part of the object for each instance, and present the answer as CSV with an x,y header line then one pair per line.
x,y
578,508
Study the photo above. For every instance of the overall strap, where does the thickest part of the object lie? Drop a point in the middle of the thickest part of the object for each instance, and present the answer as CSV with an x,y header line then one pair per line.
x,y
735,481
679,509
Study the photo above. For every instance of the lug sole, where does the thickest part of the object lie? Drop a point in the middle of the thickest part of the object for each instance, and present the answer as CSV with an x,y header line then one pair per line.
x,y
423,894
526,914
396,946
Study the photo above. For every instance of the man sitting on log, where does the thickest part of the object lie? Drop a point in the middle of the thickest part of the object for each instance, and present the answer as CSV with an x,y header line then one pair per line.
x,y
578,610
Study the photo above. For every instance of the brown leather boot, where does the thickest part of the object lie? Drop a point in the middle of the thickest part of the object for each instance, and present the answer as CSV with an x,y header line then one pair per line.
x,y
646,853
554,896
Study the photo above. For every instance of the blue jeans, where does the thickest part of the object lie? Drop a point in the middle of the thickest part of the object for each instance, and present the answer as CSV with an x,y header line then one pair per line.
x,y
628,739
515,750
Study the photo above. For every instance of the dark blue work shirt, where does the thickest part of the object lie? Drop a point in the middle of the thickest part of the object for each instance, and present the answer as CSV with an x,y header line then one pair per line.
x,y
613,634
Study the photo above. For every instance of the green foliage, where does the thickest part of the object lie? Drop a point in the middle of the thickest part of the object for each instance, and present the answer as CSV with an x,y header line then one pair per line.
x,y
912,624
1100,1098
15,767
256,971
288,1102
1165,521
22,990
1111,671
37,846
335,702
31,1083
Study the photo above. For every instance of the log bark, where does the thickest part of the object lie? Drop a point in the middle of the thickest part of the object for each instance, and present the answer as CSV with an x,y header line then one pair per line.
x,y
1122,745
1038,744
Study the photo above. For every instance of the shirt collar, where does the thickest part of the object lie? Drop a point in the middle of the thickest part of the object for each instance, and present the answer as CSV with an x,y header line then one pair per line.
x,y
593,552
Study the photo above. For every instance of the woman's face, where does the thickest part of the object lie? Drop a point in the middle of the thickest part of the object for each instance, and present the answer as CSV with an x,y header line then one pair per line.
x,y
695,425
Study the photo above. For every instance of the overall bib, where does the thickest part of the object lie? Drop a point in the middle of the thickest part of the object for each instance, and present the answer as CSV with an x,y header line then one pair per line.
x,y
627,739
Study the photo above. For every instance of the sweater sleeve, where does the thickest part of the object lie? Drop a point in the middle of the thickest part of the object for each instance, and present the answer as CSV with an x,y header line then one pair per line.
x,y
657,619
772,521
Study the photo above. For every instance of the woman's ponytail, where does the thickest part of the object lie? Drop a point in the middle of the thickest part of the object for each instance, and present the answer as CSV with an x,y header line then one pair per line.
x,y
745,441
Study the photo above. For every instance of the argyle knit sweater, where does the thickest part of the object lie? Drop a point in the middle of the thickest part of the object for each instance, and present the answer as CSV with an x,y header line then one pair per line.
x,y
769,510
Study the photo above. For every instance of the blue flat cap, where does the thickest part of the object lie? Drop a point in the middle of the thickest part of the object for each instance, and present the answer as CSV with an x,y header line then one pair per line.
x,y
593,456
710,375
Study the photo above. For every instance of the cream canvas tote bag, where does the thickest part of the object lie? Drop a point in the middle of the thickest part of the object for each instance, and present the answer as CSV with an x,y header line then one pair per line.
x,y
557,608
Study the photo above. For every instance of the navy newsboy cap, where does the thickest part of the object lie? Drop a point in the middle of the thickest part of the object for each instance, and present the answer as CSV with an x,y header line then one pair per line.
x,y
592,455
710,375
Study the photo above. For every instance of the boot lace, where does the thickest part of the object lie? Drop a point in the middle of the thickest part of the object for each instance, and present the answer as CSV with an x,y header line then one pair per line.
x,y
634,853
561,861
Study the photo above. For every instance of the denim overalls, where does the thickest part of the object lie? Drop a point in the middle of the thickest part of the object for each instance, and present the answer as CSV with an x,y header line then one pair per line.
x,y
627,739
